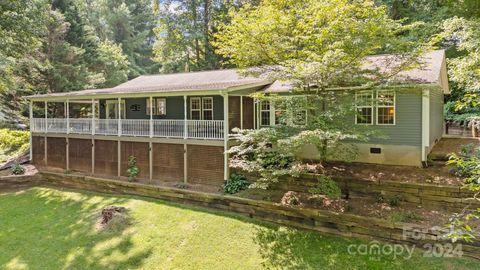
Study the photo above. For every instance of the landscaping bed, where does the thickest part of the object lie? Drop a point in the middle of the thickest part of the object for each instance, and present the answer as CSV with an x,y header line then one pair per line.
x,y
437,173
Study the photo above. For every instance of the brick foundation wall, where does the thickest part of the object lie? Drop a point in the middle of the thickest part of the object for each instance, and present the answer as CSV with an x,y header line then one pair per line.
x,y
140,151
57,153
80,155
167,162
205,165
106,158
38,151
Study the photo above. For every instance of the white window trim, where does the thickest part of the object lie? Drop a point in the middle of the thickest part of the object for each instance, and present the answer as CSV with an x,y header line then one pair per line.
x,y
203,107
156,101
261,110
272,113
200,100
122,102
385,106
360,107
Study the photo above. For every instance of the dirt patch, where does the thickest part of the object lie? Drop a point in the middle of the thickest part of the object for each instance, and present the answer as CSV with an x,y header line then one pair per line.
x,y
446,146
438,173
29,170
112,218
388,210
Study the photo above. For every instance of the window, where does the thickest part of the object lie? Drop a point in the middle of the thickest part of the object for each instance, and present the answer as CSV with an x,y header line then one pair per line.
x,y
265,113
276,114
207,108
364,107
159,106
201,108
111,109
385,107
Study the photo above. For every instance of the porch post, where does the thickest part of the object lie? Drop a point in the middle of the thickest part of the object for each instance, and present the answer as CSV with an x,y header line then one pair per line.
x,y
150,144
119,112
93,134
45,148
46,117
93,117
151,116
185,126
185,136
67,114
225,137
119,148
254,114
67,147
241,112
30,115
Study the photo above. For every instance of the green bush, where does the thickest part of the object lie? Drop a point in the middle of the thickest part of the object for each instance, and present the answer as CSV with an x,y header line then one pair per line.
x,y
235,184
14,141
394,201
326,186
132,170
274,160
379,198
17,169
466,163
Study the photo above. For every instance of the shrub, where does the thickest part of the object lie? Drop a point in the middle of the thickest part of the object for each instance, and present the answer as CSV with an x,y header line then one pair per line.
x,y
394,201
328,187
379,198
14,141
466,164
291,198
274,160
17,169
235,184
132,170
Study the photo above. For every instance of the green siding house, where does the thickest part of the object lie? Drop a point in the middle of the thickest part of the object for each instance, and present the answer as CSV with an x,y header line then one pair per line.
x,y
177,125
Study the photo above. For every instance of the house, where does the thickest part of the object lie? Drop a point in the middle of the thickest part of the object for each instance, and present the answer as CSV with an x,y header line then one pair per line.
x,y
177,125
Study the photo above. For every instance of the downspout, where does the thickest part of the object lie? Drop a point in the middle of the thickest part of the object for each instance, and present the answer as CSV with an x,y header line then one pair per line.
x,y
425,125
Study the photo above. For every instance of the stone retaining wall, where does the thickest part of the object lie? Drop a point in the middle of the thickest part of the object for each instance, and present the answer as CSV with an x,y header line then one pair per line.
x,y
452,198
312,219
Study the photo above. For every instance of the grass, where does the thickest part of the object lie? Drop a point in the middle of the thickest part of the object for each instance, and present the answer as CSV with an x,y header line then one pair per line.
x,y
43,228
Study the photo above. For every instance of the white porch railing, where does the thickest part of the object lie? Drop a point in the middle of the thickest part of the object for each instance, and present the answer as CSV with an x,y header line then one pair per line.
x,y
169,128
106,126
205,129
80,126
196,129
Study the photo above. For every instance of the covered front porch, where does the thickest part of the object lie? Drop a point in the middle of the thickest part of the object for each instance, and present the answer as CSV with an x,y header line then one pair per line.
x,y
179,117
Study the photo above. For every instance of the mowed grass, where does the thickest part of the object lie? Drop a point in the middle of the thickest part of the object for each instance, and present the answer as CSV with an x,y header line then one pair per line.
x,y
43,228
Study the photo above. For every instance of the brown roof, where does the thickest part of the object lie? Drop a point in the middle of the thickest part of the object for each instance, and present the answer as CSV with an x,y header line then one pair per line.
x,y
433,65
179,82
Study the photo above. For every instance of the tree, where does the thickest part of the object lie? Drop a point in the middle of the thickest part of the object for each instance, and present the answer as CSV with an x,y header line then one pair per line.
x,y
185,31
21,23
315,46
129,23
112,63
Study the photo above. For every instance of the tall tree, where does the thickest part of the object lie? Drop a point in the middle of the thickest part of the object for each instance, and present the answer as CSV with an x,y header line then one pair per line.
x,y
184,34
314,45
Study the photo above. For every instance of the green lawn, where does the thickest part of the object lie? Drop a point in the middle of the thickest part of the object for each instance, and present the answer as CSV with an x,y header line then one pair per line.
x,y
45,228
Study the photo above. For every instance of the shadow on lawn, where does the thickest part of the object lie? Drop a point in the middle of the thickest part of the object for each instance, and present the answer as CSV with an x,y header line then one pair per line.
x,y
60,233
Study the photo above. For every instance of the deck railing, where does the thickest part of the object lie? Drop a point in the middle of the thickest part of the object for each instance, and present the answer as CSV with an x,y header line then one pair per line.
x,y
165,128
